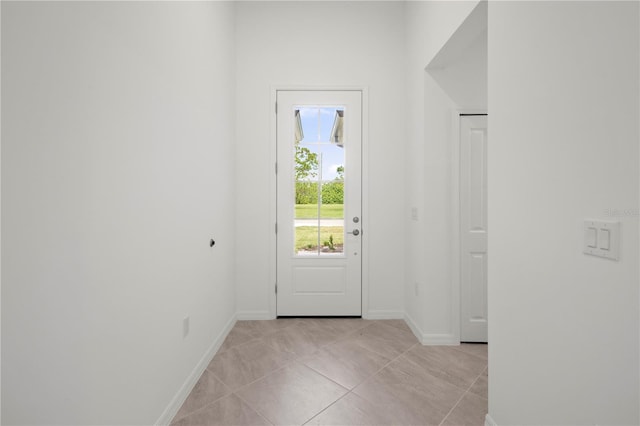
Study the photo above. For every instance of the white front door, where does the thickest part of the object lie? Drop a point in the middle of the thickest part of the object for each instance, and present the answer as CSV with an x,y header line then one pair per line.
x,y
473,228
319,220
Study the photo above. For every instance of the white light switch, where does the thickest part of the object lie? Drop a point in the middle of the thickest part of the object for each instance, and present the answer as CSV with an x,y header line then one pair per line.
x,y
591,237
601,238
604,239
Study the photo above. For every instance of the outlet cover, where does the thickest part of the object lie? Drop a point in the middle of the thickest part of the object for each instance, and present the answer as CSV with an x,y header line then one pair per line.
x,y
601,238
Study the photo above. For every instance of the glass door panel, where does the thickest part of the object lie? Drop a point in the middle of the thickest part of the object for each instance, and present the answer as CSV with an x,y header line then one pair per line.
x,y
319,164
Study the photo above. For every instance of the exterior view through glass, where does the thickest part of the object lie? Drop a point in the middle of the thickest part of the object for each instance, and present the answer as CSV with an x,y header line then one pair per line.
x,y
319,175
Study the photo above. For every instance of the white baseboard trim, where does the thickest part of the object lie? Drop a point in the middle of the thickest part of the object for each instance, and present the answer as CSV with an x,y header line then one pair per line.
x,y
413,326
254,315
428,339
439,340
488,421
177,401
380,314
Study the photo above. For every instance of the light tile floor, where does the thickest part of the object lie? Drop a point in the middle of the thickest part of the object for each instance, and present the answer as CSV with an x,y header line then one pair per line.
x,y
337,371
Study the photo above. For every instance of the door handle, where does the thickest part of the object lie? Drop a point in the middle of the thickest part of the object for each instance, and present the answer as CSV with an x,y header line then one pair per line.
x,y
354,232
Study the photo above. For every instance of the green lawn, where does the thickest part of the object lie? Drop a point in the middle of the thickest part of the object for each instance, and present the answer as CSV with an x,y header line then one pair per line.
x,y
307,236
327,211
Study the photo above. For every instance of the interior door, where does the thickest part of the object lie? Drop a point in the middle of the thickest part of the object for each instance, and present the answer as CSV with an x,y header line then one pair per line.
x,y
473,228
319,212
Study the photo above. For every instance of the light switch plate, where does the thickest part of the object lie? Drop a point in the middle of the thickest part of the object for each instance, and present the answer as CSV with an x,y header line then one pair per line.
x,y
604,239
590,236
607,236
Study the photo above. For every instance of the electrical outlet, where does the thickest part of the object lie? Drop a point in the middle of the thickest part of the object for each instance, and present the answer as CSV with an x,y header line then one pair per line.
x,y
185,327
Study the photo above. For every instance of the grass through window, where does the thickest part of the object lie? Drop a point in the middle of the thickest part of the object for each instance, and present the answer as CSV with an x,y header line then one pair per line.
x,y
327,211
307,236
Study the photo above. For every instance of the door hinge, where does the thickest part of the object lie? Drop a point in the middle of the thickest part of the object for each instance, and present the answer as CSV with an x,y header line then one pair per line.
x,y
276,288
276,107
276,168
276,228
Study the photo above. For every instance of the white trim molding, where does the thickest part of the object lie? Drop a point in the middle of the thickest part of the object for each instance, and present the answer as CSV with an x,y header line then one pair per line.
x,y
440,340
417,331
273,201
254,315
429,339
382,315
176,402
488,421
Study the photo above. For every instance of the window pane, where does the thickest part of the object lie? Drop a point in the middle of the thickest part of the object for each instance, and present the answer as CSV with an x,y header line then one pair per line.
x,y
332,236
306,238
326,121
319,181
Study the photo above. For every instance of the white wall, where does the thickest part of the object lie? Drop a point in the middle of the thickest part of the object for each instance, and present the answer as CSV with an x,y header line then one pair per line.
x,y
320,44
117,168
428,285
463,77
564,112
0,217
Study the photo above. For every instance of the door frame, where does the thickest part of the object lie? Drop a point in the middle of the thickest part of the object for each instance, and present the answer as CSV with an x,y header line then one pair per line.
x,y
456,242
273,197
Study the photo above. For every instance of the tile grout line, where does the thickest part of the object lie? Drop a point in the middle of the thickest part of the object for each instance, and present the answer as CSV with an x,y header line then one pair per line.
x,y
262,377
330,379
321,347
234,391
253,339
254,409
463,395
295,359
201,408
370,376
453,408
459,348
208,403
282,368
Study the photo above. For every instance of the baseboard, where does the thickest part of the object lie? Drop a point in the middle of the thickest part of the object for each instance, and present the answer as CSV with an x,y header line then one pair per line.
x,y
177,401
413,326
379,315
428,339
439,340
488,421
254,315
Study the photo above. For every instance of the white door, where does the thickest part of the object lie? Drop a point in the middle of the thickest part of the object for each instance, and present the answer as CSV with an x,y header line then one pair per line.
x,y
319,228
473,228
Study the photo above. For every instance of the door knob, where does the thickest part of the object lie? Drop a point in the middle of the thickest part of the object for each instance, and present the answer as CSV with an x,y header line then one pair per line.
x,y
354,232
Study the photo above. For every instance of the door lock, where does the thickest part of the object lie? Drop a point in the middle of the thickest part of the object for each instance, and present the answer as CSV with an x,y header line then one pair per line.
x,y
356,219
354,232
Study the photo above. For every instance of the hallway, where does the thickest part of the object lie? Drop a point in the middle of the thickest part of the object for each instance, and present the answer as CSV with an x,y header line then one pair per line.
x,y
337,372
